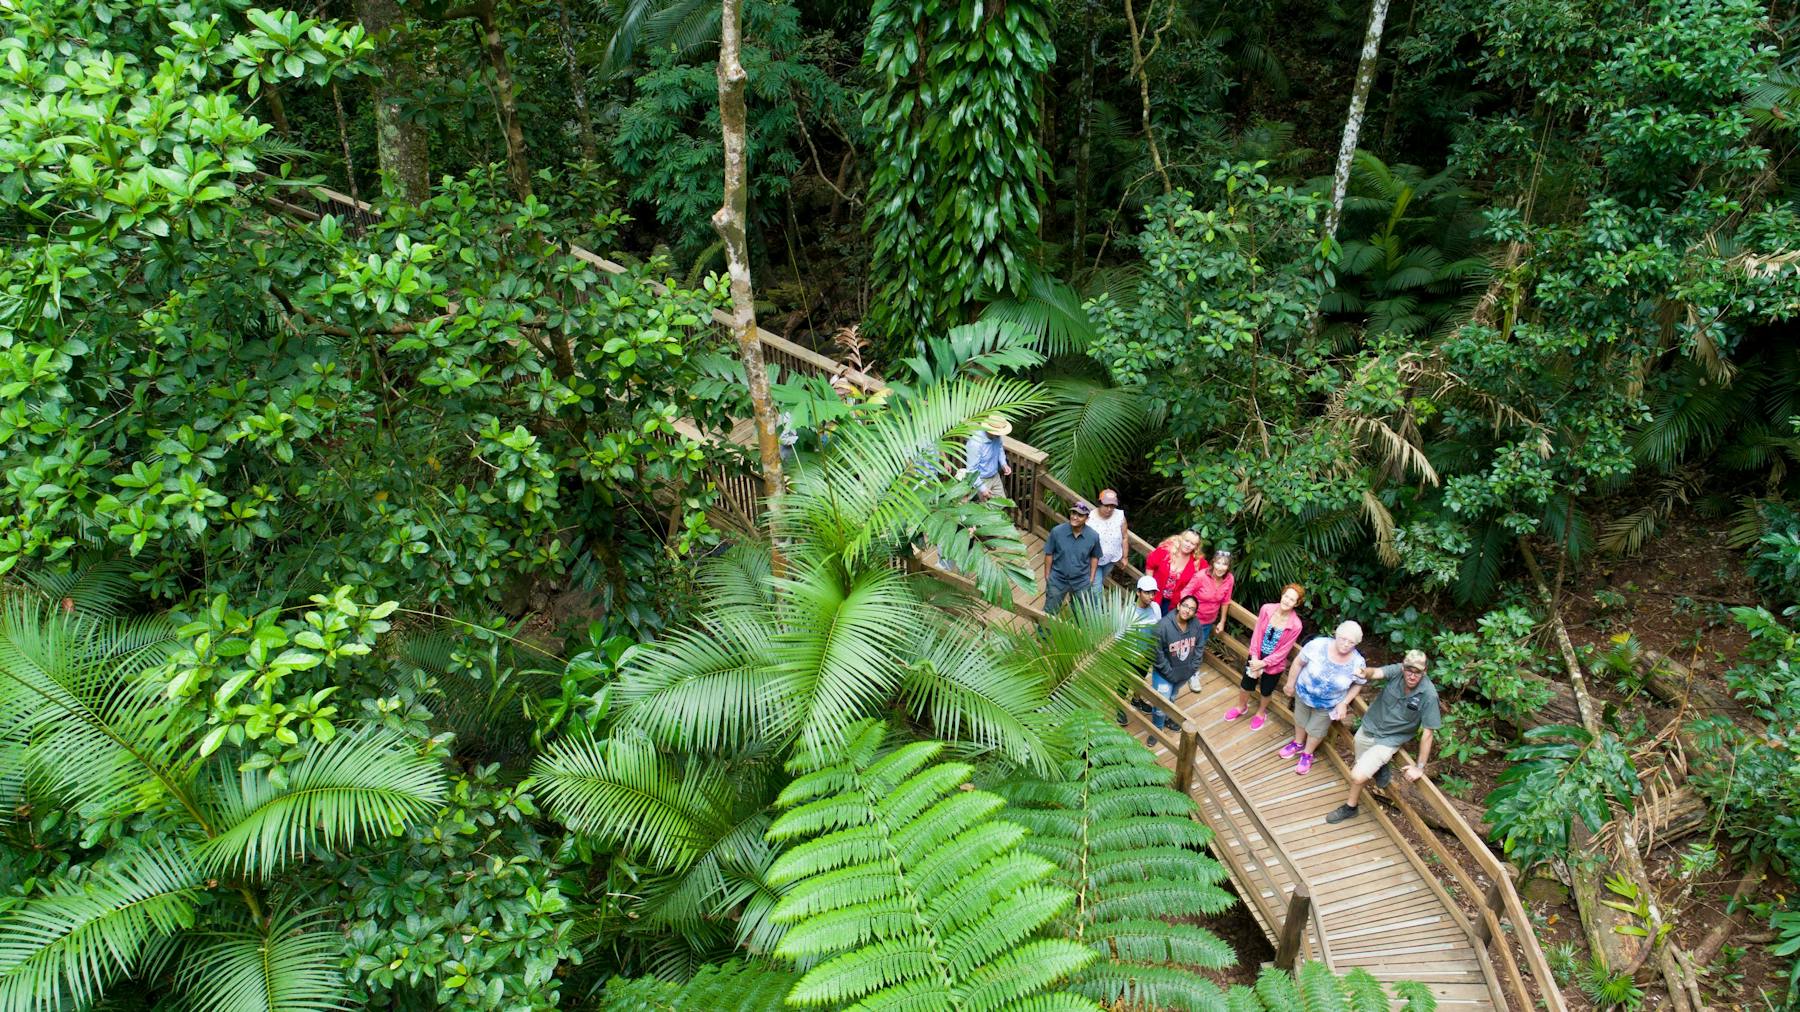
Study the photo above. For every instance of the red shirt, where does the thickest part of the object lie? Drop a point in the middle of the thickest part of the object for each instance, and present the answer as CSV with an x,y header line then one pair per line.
x,y
1157,564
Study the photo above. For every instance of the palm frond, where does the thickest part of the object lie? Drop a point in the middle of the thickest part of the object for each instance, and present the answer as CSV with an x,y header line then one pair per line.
x,y
367,782
873,489
60,950
1085,657
901,885
706,689
1627,535
621,791
1092,430
964,691
74,693
841,651
1050,312
740,577
292,965
975,350
94,585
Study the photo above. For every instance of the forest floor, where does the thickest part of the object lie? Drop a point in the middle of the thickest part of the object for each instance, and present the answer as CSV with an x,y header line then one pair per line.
x,y
1674,598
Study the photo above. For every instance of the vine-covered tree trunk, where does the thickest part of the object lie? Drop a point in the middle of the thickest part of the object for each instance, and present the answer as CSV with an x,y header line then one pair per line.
x,y
731,222
584,121
400,146
1140,61
1366,67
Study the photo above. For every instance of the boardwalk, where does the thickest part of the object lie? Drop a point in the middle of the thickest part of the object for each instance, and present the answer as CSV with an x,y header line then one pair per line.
x,y
1381,897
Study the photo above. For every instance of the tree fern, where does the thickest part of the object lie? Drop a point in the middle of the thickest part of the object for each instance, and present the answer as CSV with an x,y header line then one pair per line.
x,y
1127,845
902,889
735,986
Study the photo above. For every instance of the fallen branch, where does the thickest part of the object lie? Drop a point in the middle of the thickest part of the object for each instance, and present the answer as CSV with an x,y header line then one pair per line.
x,y
1684,992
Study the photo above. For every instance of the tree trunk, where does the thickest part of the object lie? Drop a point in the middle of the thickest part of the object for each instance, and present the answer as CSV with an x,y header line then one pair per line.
x,y
584,121
1084,138
732,222
1139,70
400,146
493,44
1359,101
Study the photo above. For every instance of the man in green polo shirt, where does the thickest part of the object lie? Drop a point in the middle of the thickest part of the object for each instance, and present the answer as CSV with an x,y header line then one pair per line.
x,y
1407,705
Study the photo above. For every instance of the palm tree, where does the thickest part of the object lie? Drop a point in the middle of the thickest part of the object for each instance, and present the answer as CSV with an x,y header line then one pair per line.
x,y
685,776
86,724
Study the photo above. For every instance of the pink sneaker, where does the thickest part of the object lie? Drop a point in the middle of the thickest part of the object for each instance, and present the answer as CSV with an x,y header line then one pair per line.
x,y
1305,764
1291,749
1256,722
1233,714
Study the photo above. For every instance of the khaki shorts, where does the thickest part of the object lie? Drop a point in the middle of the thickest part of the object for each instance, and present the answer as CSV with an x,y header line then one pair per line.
x,y
1311,721
1370,757
993,486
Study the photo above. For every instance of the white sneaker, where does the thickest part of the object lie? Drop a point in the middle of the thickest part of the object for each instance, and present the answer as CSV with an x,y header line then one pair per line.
x,y
1194,684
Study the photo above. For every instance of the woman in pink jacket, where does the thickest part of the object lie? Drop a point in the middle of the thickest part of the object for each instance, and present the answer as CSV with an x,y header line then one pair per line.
x,y
1271,642
1210,587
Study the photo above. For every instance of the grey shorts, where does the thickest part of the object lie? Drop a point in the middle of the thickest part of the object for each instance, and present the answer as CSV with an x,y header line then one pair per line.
x,y
1311,721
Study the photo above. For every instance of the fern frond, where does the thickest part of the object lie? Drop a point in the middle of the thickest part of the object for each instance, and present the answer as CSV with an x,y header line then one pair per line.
x,y
907,891
1126,844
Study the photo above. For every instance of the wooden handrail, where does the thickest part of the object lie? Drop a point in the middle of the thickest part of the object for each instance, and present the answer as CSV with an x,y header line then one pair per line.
x,y
1509,909
1144,693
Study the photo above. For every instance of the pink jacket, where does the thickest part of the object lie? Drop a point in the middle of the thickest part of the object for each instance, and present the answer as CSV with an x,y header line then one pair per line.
x,y
1212,594
1276,662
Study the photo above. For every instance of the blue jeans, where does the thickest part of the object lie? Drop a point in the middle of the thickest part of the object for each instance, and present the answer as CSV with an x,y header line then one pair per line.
x,y
1163,686
1055,592
1101,573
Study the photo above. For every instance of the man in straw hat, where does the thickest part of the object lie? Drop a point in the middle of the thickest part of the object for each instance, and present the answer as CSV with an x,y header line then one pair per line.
x,y
1407,705
985,458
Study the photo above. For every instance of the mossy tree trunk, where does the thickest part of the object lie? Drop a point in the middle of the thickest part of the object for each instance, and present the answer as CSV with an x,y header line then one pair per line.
x,y
401,148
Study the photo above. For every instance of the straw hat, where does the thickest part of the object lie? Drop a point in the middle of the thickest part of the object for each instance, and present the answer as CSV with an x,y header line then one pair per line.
x,y
997,426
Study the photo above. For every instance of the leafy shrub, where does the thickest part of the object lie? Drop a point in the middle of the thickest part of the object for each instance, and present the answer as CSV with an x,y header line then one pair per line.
x,y
1561,774
1491,662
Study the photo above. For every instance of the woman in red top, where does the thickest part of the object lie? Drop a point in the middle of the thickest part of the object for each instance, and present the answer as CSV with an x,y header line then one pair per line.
x,y
1211,588
1172,563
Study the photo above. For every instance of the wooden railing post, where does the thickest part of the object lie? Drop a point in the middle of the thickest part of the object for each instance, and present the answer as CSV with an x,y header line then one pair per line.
x,y
1293,929
1491,900
1184,755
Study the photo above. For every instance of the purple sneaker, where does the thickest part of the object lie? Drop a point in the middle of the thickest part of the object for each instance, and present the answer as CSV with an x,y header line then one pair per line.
x,y
1291,749
1305,764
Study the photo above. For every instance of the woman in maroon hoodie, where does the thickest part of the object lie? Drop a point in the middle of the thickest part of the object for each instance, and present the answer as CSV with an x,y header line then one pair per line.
x,y
1271,642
